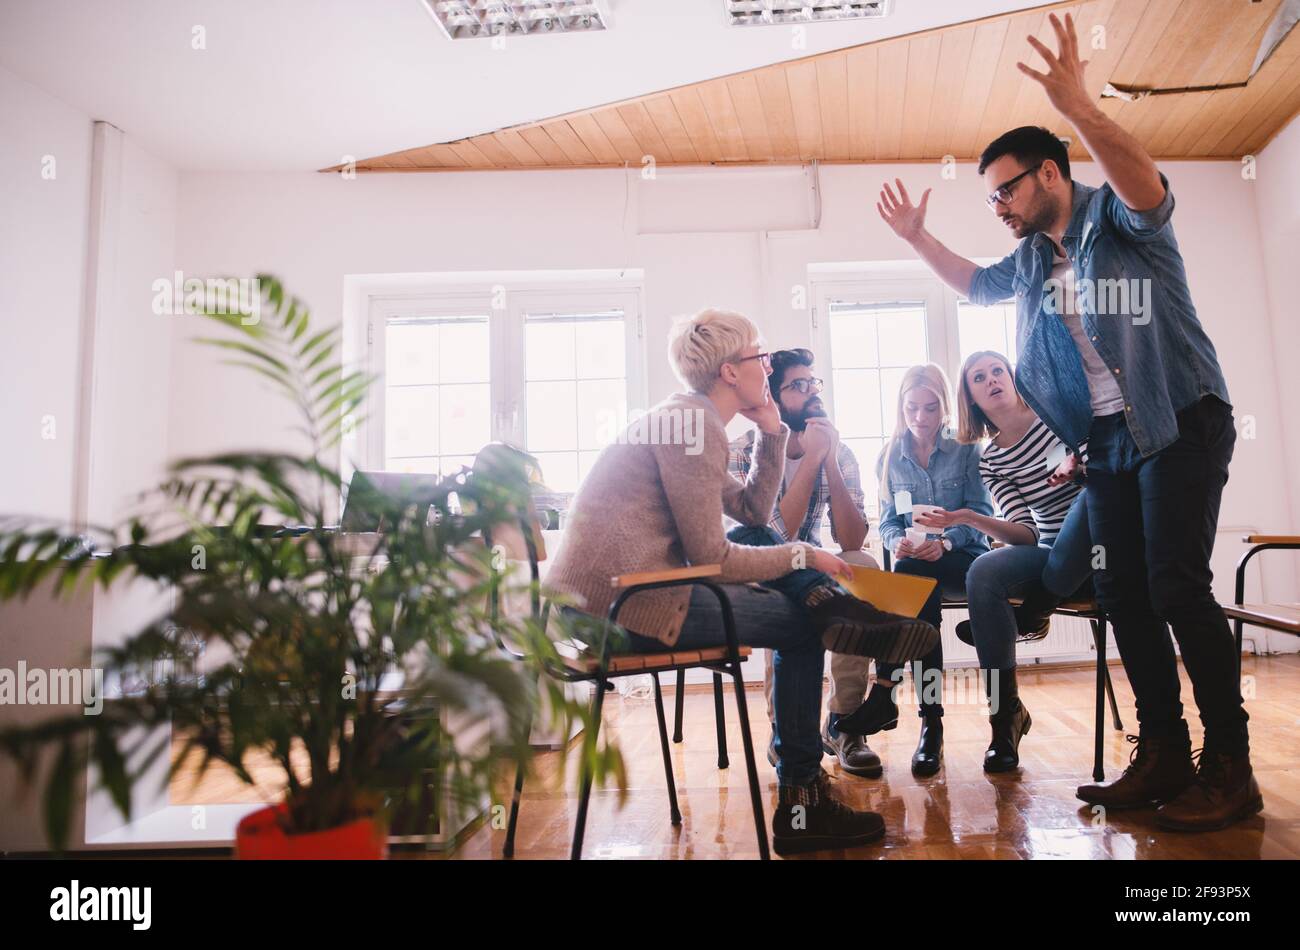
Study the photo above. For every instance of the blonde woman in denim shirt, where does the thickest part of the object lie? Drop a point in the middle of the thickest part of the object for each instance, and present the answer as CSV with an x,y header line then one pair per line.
x,y
922,465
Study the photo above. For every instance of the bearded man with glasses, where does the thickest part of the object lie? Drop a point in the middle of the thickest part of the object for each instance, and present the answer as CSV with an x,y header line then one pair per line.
x,y
821,479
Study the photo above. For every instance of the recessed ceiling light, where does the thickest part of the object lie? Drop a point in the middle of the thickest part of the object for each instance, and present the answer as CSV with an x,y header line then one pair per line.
x,y
769,12
475,19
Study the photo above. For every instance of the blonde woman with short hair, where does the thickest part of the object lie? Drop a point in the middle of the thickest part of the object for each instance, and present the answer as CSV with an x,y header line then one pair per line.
x,y
656,504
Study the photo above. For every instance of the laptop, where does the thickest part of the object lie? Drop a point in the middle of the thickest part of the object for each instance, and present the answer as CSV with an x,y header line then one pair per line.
x,y
369,493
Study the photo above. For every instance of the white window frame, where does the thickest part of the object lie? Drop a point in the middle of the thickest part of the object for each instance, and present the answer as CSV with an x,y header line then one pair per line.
x,y
886,282
371,300
940,323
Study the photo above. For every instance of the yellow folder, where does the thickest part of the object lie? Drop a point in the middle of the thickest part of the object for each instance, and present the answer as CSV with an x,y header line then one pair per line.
x,y
903,594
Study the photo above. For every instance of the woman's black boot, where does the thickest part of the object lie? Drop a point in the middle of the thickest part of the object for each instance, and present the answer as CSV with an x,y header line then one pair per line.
x,y
1008,718
929,750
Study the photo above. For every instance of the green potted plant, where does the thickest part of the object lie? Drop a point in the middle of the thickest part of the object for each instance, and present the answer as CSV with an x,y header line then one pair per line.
x,y
302,627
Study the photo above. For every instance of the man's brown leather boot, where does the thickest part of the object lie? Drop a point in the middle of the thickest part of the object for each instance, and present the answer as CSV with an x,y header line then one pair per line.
x,y
1225,791
1160,769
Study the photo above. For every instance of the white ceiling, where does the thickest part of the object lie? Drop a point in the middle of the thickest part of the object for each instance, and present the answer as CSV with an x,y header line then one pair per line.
x,y
298,84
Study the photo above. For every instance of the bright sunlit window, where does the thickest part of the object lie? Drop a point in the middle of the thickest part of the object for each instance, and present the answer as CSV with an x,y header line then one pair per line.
x,y
438,403
871,347
986,328
552,369
576,390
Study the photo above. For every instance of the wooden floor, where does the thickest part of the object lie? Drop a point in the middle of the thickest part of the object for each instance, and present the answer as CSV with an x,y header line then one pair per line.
x,y
959,813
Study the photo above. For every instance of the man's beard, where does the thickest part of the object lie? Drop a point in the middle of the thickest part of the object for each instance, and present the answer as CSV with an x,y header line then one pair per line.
x,y
798,421
1038,218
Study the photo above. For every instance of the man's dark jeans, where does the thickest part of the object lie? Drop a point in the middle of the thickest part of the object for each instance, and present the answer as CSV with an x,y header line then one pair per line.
x,y
1155,520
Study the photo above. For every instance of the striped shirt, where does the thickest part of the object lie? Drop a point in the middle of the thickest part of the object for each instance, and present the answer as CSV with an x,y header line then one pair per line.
x,y
1016,477
741,457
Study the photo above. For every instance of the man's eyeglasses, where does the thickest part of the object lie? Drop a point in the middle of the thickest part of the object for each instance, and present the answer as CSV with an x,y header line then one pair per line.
x,y
1002,193
804,385
764,358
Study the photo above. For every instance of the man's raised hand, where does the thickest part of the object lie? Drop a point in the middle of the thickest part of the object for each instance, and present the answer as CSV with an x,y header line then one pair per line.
x,y
906,219
1063,80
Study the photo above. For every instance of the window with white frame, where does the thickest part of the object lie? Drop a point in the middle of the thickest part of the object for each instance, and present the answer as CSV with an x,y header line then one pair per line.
x,y
872,346
867,334
551,368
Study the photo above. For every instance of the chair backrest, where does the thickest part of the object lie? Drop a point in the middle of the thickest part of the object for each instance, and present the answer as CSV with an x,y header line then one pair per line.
x,y
520,540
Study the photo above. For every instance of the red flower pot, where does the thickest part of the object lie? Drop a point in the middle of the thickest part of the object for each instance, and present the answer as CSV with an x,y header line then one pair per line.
x,y
259,837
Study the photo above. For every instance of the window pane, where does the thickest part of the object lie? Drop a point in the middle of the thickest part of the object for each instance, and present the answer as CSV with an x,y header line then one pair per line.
x,y
559,470
602,409
548,349
464,352
866,451
412,353
412,421
857,402
585,461
466,417
552,416
853,338
987,328
600,349
890,380
902,336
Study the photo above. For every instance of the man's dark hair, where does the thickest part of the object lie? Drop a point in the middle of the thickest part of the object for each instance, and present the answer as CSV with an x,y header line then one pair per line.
x,y
1030,144
782,361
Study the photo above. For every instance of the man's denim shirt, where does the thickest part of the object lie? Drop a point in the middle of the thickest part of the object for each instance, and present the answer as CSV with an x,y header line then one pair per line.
x,y
951,481
1157,349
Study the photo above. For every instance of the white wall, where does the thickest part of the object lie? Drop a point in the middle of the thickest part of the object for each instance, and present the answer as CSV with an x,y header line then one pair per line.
x,y
42,260
1277,196
46,253
313,229
44,256
132,343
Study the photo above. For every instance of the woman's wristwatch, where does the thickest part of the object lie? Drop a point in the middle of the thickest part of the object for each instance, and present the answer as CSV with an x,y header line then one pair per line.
x,y
947,543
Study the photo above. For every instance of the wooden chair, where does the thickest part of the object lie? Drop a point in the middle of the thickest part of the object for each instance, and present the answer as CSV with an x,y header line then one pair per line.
x,y
1284,618
600,667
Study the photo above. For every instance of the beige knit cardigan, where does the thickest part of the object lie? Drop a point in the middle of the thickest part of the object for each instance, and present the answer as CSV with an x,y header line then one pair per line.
x,y
654,500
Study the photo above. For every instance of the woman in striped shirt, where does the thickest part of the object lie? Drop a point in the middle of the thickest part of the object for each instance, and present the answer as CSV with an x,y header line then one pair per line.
x,y
1046,557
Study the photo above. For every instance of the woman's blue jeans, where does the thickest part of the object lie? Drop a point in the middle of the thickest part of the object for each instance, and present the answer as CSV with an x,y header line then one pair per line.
x,y
1013,571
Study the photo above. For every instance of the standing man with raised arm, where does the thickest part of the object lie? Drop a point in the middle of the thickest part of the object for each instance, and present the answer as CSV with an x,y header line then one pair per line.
x,y
1112,353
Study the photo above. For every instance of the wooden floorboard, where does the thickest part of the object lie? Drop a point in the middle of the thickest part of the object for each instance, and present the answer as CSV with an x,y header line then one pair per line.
x,y
960,813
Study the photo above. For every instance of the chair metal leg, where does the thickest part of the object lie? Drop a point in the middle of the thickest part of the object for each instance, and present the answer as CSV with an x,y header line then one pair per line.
x,y
1110,686
509,850
747,741
1098,772
1114,706
580,826
673,811
720,716
1239,647
678,701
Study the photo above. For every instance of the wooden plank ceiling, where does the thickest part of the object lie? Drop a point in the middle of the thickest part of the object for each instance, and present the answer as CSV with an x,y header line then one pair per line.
x,y
947,91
